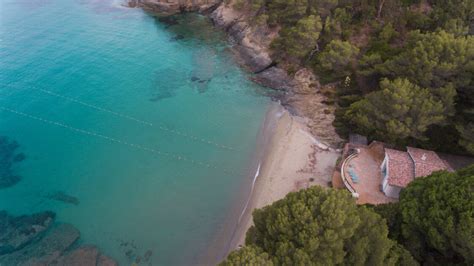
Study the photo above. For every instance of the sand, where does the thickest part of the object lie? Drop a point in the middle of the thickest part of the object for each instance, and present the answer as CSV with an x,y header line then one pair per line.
x,y
293,159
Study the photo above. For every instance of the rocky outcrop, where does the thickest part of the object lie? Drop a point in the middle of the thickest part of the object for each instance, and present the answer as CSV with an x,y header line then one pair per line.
x,y
105,261
32,240
170,7
9,157
275,78
63,197
248,42
17,232
86,255
303,95
46,250
250,45
312,101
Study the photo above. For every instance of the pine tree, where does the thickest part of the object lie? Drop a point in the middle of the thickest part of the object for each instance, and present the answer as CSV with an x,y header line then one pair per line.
x,y
399,110
248,255
319,226
337,57
299,40
437,214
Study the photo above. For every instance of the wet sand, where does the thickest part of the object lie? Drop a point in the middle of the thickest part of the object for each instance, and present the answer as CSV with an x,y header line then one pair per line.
x,y
292,160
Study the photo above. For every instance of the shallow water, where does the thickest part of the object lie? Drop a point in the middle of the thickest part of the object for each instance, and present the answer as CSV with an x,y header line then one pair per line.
x,y
146,128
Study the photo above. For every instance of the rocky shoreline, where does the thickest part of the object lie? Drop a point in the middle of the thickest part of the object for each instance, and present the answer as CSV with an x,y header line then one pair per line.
x,y
37,240
302,94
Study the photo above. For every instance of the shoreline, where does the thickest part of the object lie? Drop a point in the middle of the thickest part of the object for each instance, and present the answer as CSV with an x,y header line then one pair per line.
x,y
222,241
293,159
287,158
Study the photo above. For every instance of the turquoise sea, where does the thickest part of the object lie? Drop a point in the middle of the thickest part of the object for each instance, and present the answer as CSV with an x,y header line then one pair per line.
x,y
150,125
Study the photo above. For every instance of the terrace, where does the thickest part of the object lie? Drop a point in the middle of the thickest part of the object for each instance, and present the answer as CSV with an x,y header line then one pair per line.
x,y
362,176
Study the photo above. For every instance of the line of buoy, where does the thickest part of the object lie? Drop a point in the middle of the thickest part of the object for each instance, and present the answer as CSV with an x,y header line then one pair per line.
x,y
95,107
133,145
128,117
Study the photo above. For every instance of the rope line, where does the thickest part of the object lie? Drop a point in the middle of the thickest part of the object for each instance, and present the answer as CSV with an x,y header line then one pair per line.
x,y
136,146
95,107
164,128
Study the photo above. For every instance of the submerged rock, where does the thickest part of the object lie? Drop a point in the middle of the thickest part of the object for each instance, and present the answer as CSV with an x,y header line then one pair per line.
x,y
17,232
165,84
177,37
82,256
103,260
45,251
169,21
63,197
148,255
32,240
8,158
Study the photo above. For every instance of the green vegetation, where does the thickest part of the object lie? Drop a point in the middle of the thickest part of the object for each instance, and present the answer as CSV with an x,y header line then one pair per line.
x,y
424,46
248,255
433,223
400,109
318,226
338,58
299,40
434,219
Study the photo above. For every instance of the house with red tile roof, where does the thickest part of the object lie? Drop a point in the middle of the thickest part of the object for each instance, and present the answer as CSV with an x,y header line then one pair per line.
x,y
399,168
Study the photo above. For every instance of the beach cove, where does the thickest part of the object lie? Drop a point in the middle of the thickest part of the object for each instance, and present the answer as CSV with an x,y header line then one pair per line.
x,y
145,134
136,132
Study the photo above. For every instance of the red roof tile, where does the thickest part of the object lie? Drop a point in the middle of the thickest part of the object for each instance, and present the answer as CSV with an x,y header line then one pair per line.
x,y
426,162
400,168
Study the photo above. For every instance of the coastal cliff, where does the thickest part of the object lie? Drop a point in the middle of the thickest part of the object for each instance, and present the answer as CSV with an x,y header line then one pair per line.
x,y
170,7
250,43
302,94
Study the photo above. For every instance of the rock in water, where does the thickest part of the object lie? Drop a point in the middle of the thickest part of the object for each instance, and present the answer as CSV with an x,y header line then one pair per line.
x,y
105,261
45,251
17,232
169,21
82,256
148,255
63,197
177,38
9,157
170,7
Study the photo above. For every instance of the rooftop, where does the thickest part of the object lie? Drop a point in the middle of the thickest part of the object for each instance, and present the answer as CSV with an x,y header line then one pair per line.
x,y
401,169
426,162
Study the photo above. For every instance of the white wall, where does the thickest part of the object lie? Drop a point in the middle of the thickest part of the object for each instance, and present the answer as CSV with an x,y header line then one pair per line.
x,y
391,191
388,190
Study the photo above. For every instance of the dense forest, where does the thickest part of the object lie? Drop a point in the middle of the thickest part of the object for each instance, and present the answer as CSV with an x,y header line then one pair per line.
x,y
403,68
432,224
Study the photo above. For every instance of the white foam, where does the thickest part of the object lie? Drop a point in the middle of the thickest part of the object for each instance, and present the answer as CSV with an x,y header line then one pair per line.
x,y
257,173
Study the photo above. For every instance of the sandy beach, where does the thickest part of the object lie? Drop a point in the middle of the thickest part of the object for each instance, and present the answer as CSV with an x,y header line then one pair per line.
x,y
292,160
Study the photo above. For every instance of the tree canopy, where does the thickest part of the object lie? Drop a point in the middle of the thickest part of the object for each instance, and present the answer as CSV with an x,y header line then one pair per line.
x,y
337,56
399,110
300,39
434,219
429,43
248,255
319,226
438,213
